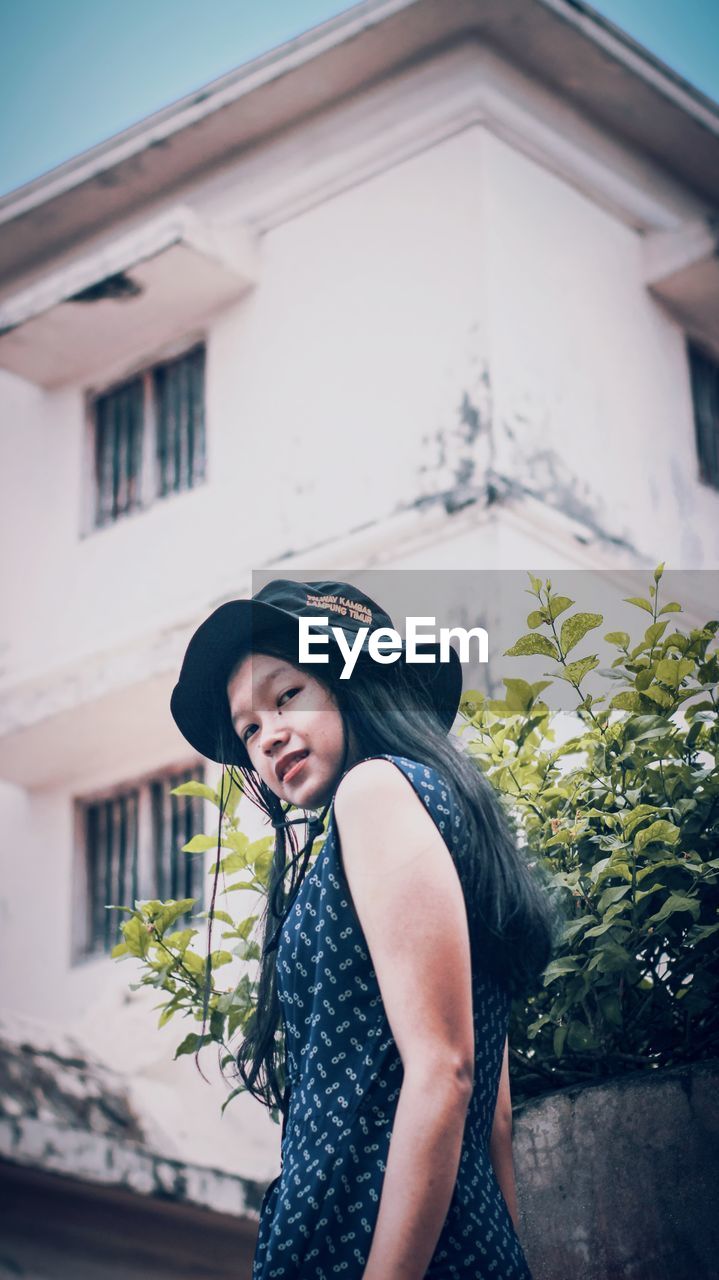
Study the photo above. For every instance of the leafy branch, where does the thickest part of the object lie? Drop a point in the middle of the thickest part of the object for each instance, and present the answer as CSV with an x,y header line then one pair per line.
x,y
624,819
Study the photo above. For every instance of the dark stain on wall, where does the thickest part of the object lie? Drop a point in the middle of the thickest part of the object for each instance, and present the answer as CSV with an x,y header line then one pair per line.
x,y
459,469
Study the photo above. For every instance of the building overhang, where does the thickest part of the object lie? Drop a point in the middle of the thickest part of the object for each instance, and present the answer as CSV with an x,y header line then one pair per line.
x,y
564,44
682,270
72,1115
115,302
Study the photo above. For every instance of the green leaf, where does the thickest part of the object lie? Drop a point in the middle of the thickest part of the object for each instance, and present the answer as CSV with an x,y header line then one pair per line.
x,y
194,964
559,967
246,950
200,844
612,895
611,1009
660,832
626,701
598,868
694,734
660,696
230,863
519,695
180,940
229,792
244,929
194,788
643,728
472,702
658,571
168,1012
560,1035
575,672
579,1037
536,618
239,1089
655,631
672,607
135,933
171,911
531,644
639,602
223,916
574,927
217,1025
620,638
559,604
655,869
237,841
676,903
599,929
191,1044
671,671
631,818
575,628
612,958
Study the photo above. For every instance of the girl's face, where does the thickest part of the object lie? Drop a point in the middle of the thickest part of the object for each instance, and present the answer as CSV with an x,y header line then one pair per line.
x,y
291,728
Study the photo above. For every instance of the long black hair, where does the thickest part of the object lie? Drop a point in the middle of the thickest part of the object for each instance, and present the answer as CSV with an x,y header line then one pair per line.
x,y
511,913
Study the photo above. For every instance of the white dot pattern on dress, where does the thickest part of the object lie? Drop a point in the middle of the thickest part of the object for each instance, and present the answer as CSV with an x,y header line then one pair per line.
x,y
345,1075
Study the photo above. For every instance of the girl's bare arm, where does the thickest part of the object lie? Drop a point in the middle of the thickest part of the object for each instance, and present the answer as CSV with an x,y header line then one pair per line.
x,y
410,904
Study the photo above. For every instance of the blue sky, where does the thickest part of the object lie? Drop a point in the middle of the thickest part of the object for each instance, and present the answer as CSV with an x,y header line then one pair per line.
x,y
74,72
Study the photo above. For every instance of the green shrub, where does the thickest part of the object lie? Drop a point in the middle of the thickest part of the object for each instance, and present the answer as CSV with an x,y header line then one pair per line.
x,y
169,958
625,817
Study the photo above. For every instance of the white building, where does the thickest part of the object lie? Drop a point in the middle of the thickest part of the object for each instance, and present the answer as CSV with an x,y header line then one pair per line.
x,y
433,286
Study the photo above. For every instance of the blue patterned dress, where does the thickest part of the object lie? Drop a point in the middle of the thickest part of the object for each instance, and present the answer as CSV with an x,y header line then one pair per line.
x,y
345,1073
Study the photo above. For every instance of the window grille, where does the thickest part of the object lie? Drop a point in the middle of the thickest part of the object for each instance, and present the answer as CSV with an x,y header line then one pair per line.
x,y
705,394
118,451
111,840
180,413
133,849
175,820
149,437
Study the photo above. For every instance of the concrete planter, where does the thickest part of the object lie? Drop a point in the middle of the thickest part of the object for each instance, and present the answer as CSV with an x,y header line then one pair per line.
x,y
618,1181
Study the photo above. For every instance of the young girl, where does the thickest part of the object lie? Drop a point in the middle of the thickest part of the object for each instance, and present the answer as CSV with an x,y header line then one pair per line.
x,y
390,964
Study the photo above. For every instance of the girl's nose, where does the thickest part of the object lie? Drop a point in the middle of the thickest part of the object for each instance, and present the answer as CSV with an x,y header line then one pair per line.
x,y
275,732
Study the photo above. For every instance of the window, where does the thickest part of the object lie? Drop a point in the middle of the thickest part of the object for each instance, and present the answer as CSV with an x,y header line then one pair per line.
x,y
133,842
149,437
705,393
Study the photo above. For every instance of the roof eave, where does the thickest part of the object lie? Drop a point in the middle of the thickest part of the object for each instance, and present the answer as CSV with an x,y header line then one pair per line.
x,y
562,42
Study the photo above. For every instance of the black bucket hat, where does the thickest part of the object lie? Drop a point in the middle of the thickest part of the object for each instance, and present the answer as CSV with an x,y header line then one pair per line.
x,y
199,702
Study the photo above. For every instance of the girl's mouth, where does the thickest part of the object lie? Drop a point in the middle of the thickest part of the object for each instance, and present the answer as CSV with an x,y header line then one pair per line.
x,y
294,769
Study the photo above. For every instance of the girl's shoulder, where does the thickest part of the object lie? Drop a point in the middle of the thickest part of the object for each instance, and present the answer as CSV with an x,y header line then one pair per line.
x,y
380,773
375,766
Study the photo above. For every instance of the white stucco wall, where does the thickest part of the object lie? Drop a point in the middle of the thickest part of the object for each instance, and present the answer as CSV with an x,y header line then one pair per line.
x,y
464,273
466,270
589,373
315,409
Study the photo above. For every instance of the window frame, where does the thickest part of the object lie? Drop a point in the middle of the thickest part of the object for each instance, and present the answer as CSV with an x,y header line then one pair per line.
x,y
697,353
149,481
83,950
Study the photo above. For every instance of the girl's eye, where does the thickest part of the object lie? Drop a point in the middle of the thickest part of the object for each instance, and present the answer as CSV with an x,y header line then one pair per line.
x,y
250,728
